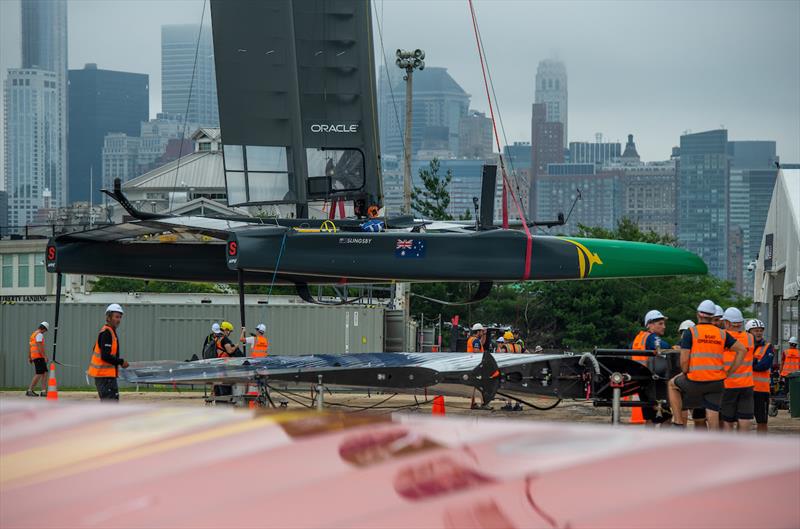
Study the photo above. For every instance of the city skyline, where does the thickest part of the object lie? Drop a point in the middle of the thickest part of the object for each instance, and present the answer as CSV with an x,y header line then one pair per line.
x,y
749,85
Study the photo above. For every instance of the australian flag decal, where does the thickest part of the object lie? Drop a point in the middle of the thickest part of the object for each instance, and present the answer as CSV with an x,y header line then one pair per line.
x,y
409,248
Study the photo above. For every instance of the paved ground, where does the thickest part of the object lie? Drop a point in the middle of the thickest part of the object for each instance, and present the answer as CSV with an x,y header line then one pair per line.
x,y
564,412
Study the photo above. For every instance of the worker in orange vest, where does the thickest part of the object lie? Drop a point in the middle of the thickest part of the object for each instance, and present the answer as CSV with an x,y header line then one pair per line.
x,y
476,339
258,343
717,319
105,364
763,356
791,358
737,399
650,339
701,382
225,347
38,357
511,345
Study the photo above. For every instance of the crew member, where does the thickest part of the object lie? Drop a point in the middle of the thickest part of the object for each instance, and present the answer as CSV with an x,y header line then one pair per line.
x,y
702,365
791,358
225,347
258,343
763,356
650,339
106,361
698,414
511,344
476,339
737,399
717,320
38,357
519,340
500,345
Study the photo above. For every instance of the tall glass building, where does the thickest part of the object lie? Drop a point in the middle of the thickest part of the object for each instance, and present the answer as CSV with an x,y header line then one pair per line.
x,y
551,90
703,181
178,46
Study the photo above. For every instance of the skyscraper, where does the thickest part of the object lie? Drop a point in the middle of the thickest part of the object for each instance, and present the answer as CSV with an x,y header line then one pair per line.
x,y
551,90
178,46
100,102
36,112
703,176
475,135
597,152
546,148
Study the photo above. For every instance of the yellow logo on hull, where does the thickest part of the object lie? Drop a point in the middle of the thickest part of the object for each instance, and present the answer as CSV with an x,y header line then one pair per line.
x,y
586,258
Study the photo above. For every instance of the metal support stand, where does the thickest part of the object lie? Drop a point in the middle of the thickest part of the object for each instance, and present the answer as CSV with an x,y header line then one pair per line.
x,y
241,305
320,394
617,381
58,310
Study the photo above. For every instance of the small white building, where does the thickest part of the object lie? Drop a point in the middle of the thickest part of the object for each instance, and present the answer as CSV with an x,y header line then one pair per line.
x,y
777,271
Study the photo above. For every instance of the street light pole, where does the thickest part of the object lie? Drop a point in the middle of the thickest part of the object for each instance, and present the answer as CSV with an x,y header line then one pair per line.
x,y
408,61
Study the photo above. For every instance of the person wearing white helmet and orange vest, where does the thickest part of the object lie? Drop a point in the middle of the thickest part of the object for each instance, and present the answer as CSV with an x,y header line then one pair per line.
x,y
650,339
701,382
258,343
763,357
717,319
698,414
737,399
791,358
38,357
106,360
476,339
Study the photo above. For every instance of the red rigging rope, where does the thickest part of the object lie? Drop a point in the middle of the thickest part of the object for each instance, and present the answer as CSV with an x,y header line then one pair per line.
x,y
506,186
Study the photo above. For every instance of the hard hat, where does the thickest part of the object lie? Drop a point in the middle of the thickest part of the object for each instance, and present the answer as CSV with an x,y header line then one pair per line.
x,y
114,307
653,315
215,328
226,326
733,315
478,327
261,328
508,335
754,324
501,340
707,307
793,340
718,312
45,325
685,324
538,349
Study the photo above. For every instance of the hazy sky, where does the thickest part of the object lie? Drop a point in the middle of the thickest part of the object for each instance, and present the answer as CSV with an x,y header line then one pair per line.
x,y
653,69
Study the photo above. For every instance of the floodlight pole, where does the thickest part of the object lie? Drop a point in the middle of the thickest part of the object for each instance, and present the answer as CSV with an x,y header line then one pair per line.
x,y
408,61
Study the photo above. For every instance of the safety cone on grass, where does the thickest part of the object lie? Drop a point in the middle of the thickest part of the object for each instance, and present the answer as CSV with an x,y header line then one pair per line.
x,y
438,406
636,412
52,387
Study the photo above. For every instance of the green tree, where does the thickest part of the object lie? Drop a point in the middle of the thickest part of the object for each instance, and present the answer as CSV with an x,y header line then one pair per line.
x,y
122,284
433,198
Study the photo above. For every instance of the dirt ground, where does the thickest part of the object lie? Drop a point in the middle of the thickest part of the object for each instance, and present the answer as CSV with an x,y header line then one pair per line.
x,y
568,411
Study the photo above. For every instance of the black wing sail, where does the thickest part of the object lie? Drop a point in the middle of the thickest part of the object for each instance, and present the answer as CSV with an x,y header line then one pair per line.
x,y
296,88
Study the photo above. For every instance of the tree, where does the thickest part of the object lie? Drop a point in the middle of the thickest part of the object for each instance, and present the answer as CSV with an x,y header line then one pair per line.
x,y
123,284
431,201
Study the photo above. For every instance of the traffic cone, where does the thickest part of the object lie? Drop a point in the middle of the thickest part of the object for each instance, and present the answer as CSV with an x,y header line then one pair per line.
x,y
253,402
636,413
438,406
52,387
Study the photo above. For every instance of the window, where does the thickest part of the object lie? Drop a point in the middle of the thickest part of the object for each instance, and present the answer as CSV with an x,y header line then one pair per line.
x,y
38,270
8,271
343,168
257,174
23,275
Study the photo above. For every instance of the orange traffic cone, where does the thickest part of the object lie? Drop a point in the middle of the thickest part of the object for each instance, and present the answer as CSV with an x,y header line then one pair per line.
x,y
636,413
438,406
253,402
52,387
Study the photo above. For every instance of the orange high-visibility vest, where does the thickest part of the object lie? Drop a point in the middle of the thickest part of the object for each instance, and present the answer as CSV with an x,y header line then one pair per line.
x,y
761,380
706,356
743,376
33,346
260,346
471,348
639,345
221,352
513,347
99,368
791,362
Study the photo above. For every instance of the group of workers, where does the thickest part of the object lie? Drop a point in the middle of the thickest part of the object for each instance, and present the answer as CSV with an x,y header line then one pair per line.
x,y
725,367
106,355
509,342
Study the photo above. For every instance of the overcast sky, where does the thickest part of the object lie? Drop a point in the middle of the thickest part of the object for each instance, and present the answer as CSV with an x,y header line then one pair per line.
x,y
653,69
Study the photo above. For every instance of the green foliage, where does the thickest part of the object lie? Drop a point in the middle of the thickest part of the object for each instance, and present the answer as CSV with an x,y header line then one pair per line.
x,y
579,315
431,201
121,284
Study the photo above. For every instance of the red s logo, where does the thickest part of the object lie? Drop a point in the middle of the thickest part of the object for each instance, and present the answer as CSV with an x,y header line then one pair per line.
x,y
232,248
51,253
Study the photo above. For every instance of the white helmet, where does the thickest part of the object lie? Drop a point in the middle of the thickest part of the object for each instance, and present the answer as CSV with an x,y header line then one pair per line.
x,y
215,328
501,340
261,328
538,349
793,340
733,315
707,307
45,325
114,307
653,315
718,312
478,327
685,324
754,324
